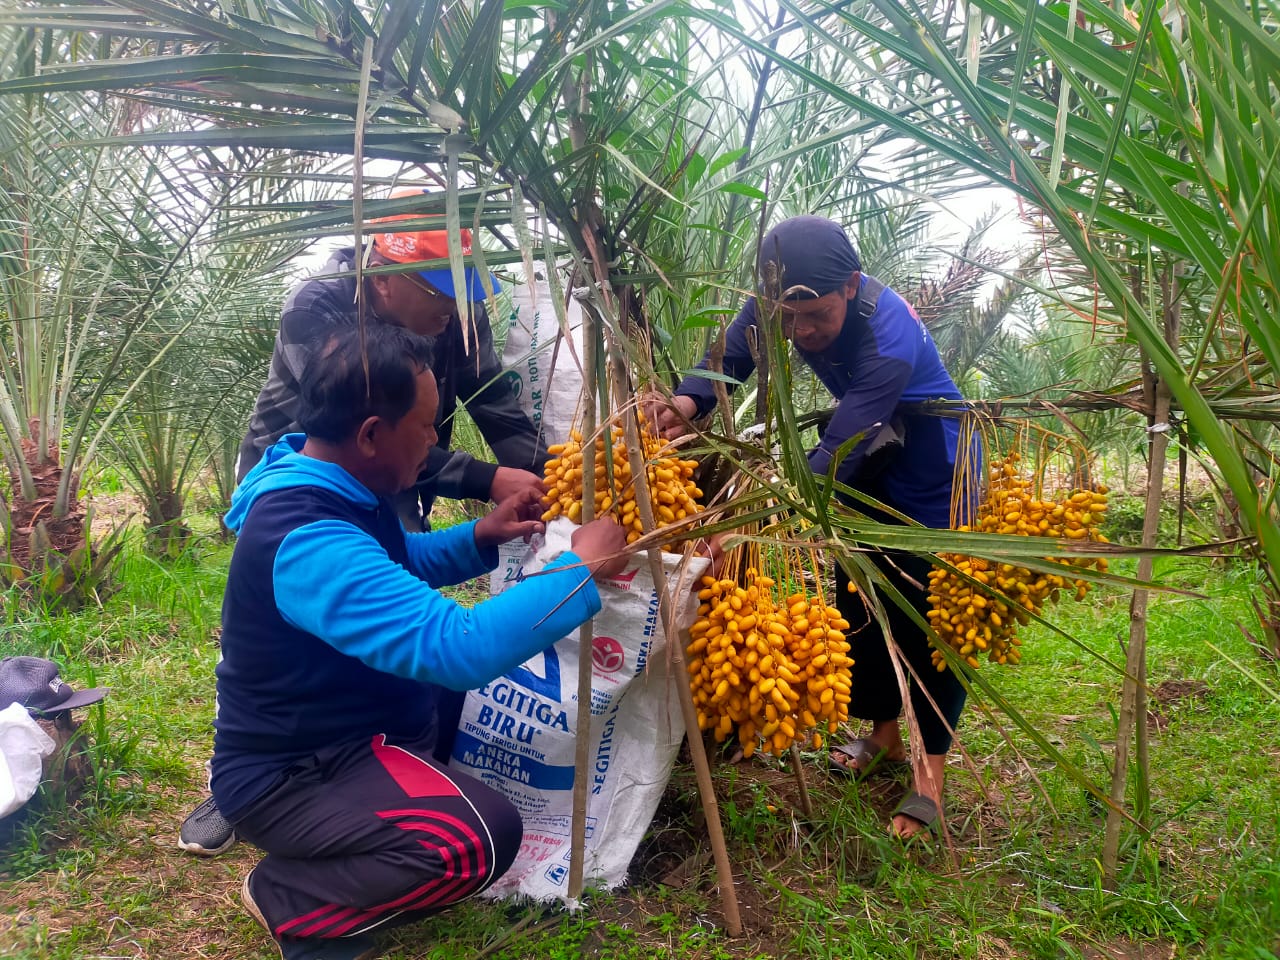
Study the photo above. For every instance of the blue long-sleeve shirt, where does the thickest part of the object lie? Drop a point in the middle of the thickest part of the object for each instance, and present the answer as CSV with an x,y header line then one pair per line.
x,y
882,359
334,629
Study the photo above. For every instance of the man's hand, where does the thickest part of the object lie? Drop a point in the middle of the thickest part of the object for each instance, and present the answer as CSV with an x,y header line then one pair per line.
x,y
599,544
519,515
669,417
509,481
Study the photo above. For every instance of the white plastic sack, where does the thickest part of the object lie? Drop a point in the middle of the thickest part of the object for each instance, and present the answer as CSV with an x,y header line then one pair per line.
x,y
23,745
548,393
518,733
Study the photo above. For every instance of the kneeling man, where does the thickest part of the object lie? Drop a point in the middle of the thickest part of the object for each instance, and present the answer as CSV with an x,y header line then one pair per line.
x,y
336,644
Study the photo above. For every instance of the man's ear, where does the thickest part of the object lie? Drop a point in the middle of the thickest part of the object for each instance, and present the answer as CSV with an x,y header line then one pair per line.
x,y
381,285
365,441
851,285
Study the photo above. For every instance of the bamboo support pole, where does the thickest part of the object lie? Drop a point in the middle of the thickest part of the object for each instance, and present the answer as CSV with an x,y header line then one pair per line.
x,y
1133,697
667,614
1133,691
620,387
586,633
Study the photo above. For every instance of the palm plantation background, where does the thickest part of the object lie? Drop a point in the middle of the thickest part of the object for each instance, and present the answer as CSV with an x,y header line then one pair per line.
x,y
162,163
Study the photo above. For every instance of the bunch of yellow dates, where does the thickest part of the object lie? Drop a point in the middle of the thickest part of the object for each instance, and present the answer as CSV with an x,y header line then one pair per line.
x,y
973,621
775,673
672,491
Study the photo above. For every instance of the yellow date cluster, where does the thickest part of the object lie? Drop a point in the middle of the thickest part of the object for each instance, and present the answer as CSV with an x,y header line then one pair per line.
x,y
671,487
973,621
774,672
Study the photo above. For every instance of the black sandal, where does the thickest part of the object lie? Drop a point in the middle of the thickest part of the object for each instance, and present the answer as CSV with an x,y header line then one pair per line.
x,y
865,758
919,808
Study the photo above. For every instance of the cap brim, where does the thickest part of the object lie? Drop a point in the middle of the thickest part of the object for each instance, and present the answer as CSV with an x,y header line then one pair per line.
x,y
81,698
798,291
442,280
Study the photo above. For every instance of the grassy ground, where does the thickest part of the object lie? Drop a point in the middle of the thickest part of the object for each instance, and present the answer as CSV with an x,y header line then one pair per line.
x,y
1019,877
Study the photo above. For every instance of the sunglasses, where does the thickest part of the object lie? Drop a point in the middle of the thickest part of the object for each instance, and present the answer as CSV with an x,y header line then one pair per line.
x,y
422,285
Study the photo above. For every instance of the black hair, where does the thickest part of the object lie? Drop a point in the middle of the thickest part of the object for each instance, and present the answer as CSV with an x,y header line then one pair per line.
x,y
341,388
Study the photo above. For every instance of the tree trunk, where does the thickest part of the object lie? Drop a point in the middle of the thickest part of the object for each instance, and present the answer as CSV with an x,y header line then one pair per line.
x,y
34,527
167,535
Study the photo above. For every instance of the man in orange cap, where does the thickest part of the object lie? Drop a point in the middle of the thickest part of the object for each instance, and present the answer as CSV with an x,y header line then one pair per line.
x,y
466,367
466,370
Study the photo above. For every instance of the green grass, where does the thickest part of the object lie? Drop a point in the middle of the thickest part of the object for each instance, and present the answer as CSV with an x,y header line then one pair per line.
x,y
100,877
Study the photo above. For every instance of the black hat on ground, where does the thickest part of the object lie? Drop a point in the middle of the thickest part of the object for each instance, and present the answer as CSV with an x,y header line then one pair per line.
x,y
809,252
36,685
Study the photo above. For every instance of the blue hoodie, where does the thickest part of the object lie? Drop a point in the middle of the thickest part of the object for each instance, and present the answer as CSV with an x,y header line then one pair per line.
x,y
882,362
333,630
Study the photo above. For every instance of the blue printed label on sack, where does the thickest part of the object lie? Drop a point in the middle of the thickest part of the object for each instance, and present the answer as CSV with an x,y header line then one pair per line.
x,y
604,752
497,760
651,617
552,828
517,717
547,685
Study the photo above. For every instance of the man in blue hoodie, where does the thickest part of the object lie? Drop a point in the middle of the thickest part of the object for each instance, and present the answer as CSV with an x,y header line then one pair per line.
x,y
870,350
467,371
336,645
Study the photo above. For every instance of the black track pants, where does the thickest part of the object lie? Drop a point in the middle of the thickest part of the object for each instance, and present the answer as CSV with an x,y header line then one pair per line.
x,y
372,835
875,693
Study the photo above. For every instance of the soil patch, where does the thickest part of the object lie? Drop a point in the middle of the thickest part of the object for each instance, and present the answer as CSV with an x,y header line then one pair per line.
x,y
1168,694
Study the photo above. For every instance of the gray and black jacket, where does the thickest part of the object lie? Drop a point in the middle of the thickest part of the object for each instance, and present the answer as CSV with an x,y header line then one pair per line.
x,y
319,305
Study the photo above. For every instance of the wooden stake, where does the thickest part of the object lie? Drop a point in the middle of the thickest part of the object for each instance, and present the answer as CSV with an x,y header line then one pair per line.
x,y
675,646
635,449
586,633
1133,697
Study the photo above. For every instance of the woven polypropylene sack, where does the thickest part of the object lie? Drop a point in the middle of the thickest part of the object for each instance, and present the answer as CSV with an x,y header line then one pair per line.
x,y
518,733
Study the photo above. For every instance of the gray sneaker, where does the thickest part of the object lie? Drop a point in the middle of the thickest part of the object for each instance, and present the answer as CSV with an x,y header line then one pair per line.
x,y
206,832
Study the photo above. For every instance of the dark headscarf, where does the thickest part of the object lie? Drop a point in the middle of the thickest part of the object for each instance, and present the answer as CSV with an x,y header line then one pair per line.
x,y
813,252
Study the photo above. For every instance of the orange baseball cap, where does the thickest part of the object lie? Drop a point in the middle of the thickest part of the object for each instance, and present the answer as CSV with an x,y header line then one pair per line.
x,y
417,245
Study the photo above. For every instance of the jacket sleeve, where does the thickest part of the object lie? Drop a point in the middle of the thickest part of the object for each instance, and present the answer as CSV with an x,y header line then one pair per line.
x,y
504,425
737,362
487,395
456,474
445,557
383,615
299,331
881,372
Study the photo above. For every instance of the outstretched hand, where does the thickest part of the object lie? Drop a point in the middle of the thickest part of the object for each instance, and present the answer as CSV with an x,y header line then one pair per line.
x,y
516,516
509,481
669,417
600,545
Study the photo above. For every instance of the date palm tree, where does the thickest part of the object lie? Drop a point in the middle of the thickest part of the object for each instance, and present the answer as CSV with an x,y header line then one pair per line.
x,y
107,281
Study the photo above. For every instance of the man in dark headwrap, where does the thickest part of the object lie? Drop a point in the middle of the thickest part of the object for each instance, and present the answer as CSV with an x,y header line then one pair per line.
x,y
868,347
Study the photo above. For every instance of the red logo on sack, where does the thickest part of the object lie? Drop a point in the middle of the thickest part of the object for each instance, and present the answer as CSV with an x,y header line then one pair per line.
x,y
623,580
607,655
